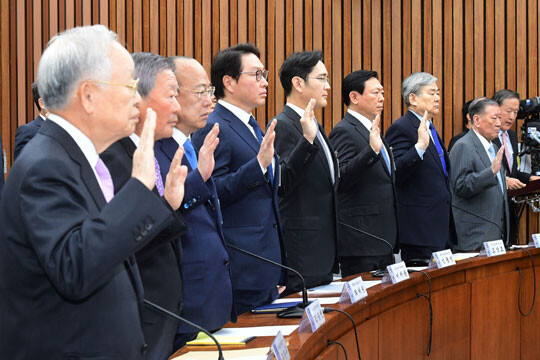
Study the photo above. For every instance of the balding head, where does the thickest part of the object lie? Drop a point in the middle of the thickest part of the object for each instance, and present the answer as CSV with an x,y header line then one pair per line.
x,y
194,95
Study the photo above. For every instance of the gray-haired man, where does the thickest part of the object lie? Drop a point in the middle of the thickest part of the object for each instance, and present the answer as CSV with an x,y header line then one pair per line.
x,y
422,168
69,285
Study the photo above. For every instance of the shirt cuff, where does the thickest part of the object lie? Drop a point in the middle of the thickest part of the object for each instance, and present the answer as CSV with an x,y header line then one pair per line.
x,y
420,151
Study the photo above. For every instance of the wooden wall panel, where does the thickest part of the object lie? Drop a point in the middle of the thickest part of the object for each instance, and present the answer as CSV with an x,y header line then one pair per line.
x,y
473,47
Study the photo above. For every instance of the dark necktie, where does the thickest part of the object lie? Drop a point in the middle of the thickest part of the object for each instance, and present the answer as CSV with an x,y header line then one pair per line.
x,y
190,154
258,132
438,146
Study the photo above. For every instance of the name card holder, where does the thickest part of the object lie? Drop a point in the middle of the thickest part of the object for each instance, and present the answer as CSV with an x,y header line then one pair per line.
x,y
353,291
313,317
536,240
441,259
396,273
493,248
279,348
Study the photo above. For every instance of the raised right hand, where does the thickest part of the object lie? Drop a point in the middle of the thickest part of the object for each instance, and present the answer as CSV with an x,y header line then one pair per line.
x,y
423,134
496,164
375,140
144,167
266,151
309,126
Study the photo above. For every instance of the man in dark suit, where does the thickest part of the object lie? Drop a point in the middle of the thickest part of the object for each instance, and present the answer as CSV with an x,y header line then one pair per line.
x,y
246,175
466,125
26,132
160,267
509,103
69,285
309,173
477,181
208,296
422,168
368,200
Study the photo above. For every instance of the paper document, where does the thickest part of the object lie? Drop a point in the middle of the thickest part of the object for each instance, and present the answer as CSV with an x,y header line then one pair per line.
x,y
463,256
247,354
286,330
323,301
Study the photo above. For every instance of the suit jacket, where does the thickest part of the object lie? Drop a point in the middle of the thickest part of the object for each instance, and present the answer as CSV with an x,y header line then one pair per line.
x,y
68,282
368,200
513,172
307,203
25,133
208,299
248,202
476,189
455,139
159,263
423,194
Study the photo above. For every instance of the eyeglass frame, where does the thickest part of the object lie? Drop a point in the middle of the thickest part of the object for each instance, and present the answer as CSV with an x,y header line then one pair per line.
x,y
326,79
133,86
259,74
200,93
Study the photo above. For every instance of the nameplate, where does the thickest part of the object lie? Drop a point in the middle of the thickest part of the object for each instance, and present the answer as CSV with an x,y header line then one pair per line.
x,y
398,272
279,348
443,258
536,240
353,291
314,313
494,248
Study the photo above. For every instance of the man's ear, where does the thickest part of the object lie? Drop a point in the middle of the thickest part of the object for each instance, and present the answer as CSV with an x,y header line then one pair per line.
x,y
87,96
228,83
298,84
413,99
353,97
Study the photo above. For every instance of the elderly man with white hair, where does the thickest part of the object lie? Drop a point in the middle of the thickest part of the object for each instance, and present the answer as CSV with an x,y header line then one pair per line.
x,y
422,167
69,285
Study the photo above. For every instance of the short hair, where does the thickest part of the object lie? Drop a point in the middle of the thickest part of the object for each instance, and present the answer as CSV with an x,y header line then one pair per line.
x,y
171,60
478,106
502,95
147,68
464,113
356,81
414,83
299,64
35,95
73,56
229,62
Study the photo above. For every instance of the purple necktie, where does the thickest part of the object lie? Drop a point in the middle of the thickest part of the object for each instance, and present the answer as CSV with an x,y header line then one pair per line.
x,y
105,179
159,179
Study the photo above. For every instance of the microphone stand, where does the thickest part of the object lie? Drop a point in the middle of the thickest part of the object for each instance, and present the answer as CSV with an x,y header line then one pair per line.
x,y
173,315
292,312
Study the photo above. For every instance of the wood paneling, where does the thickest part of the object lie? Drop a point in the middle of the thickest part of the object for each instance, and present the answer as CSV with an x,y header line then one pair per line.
x,y
473,47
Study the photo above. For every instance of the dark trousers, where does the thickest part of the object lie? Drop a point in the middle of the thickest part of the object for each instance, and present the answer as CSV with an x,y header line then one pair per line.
x,y
351,265
416,252
247,300
181,339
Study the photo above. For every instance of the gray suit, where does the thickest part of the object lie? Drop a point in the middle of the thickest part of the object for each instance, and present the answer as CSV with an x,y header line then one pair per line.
x,y
476,189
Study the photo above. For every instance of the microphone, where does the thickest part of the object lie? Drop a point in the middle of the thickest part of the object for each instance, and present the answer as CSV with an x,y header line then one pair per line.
x,y
482,218
173,315
370,235
292,312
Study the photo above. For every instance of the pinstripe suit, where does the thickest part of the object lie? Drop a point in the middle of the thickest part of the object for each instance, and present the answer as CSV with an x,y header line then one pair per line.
x,y
476,189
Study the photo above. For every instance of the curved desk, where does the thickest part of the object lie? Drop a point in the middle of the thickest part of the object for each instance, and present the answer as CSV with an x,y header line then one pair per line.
x,y
475,316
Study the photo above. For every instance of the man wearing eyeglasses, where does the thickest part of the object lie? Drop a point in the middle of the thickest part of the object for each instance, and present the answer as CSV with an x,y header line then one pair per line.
x,y
67,270
245,175
206,272
159,264
309,178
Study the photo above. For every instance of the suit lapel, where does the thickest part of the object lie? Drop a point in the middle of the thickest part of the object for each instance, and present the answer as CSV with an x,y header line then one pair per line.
x,y
505,164
431,149
239,127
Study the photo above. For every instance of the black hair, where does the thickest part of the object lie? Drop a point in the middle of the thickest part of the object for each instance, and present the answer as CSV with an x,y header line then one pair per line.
x,y
464,113
298,64
229,62
35,94
478,106
356,81
502,95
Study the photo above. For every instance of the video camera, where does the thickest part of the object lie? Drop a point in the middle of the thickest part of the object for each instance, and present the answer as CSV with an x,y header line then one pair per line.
x,y
529,110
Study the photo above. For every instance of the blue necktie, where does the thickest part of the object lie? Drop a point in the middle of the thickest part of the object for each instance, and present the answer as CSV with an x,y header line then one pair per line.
x,y
258,132
190,154
385,157
438,147
492,157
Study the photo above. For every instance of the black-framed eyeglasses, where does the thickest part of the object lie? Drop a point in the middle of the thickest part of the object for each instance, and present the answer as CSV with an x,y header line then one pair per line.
x,y
201,93
259,74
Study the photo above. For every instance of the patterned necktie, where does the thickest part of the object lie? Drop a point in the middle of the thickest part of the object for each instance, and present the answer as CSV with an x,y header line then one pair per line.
x,y
492,157
105,179
159,179
438,147
506,152
258,132
190,153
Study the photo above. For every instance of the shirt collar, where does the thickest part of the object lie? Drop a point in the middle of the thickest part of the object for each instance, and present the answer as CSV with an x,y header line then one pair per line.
x,y
239,113
43,117
135,138
297,109
364,120
428,122
179,136
485,143
83,142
